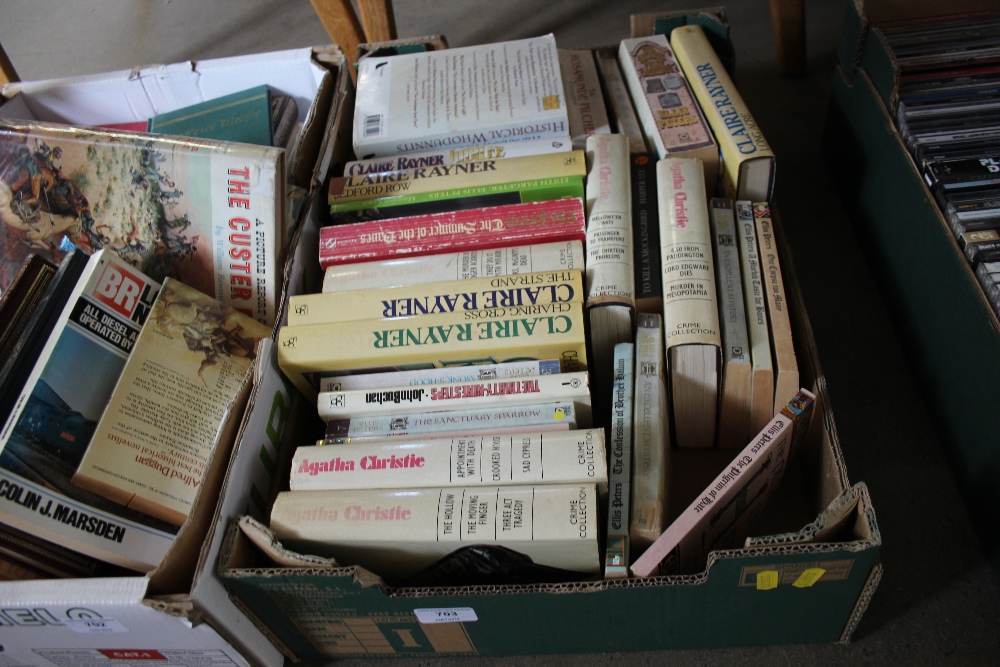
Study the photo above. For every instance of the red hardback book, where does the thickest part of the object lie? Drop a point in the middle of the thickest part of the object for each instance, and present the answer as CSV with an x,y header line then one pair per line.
x,y
469,229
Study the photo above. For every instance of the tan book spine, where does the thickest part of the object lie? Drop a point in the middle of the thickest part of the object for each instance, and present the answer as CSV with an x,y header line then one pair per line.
x,y
397,533
786,381
584,101
449,296
621,109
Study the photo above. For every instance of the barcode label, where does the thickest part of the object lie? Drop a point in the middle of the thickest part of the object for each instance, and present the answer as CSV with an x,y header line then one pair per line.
x,y
373,125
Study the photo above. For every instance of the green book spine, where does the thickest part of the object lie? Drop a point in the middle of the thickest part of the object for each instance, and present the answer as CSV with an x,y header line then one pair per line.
x,y
244,117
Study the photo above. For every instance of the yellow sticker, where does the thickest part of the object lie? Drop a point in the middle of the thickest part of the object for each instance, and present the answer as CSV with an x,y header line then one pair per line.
x,y
767,580
809,577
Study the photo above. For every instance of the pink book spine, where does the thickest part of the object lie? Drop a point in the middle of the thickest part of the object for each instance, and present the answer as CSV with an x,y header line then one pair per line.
x,y
469,229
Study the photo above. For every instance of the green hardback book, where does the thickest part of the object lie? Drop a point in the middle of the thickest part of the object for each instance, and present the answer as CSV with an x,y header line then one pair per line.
x,y
244,116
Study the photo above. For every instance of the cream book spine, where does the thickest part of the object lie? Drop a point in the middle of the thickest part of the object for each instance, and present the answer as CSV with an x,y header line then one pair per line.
x,y
758,331
690,303
526,457
747,170
451,296
397,533
446,156
786,377
460,395
427,376
462,265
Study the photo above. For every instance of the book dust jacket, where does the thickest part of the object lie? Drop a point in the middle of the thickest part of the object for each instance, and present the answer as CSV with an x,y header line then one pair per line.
x,y
155,439
204,212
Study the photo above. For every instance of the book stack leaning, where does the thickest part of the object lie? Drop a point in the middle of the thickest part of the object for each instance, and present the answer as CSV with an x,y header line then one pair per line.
x,y
522,319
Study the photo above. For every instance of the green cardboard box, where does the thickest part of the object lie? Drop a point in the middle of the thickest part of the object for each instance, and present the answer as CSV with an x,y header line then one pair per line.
x,y
944,320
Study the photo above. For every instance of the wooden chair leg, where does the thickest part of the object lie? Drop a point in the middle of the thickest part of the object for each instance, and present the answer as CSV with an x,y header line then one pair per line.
x,y
7,73
341,23
788,17
378,20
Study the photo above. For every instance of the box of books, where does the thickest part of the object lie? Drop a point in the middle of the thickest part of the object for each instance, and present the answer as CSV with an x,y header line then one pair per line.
x,y
162,599
907,112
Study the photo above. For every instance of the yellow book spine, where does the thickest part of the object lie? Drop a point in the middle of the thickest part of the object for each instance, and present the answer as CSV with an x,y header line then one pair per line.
x,y
544,331
448,296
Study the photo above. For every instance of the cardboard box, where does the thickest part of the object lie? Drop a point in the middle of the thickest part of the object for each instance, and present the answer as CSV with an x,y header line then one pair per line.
x,y
760,594
944,320
181,611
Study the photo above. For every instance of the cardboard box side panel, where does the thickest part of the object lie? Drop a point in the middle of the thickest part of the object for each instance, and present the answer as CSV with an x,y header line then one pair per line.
x,y
949,331
880,65
852,36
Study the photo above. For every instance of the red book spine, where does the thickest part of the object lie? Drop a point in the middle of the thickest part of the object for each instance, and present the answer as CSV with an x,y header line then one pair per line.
x,y
470,229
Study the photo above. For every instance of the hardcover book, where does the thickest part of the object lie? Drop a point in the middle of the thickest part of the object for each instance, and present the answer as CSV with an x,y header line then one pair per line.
x,y
758,330
308,352
475,421
352,403
786,367
566,457
646,235
721,516
489,93
747,170
671,120
56,413
610,276
446,155
207,213
244,116
459,265
18,301
651,436
736,385
397,533
461,230
617,553
690,302
584,101
345,190
154,439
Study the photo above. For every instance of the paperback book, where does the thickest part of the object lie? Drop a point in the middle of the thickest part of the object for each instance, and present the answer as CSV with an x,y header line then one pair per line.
x,y
511,370
446,156
584,101
156,436
489,93
207,213
55,416
620,107
526,457
458,265
617,553
462,230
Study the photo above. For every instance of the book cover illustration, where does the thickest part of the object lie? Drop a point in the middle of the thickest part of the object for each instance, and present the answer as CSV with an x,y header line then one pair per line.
x,y
206,213
154,440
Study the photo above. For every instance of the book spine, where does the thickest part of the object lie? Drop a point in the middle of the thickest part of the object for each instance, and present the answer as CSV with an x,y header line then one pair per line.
x,y
690,309
619,100
475,421
736,390
396,533
610,274
456,395
786,381
758,331
584,101
421,101
503,334
509,371
574,457
617,554
739,137
720,516
467,229
477,196
453,296
670,117
651,432
448,156
646,235
461,265
423,180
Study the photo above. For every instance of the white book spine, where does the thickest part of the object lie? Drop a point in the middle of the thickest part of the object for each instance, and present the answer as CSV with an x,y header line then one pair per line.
x,y
454,266
617,554
518,458
542,416
453,395
511,370
447,156
397,533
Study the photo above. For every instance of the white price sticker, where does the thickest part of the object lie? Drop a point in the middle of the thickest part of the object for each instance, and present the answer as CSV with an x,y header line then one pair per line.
x,y
94,625
446,615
